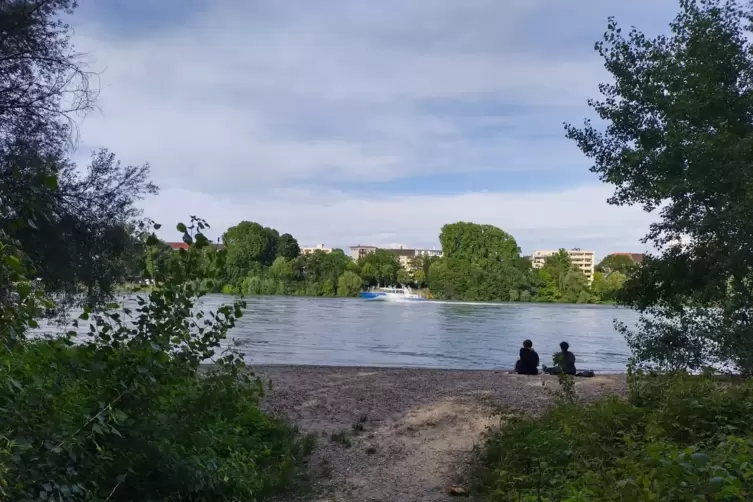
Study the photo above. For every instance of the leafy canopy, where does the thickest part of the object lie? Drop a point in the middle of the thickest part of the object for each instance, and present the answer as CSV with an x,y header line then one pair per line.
x,y
679,140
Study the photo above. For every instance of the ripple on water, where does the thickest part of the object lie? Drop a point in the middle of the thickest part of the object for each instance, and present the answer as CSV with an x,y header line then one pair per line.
x,y
457,335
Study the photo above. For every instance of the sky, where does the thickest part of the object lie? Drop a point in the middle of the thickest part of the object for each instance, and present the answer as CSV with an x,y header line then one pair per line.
x,y
357,122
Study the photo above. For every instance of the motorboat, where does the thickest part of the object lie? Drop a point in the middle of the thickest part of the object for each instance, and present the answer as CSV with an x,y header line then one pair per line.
x,y
392,294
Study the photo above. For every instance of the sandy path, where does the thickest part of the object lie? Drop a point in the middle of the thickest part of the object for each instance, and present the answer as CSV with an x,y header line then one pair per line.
x,y
402,434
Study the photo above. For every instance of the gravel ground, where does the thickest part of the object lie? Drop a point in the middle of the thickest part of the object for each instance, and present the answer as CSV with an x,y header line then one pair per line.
x,y
402,434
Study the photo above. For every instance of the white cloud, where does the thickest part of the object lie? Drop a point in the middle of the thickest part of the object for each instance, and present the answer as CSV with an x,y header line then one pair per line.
x,y
244,100
538,220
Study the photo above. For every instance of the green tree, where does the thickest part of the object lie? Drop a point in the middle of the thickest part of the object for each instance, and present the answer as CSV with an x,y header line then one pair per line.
x,y
678,134
480,262
615,263
250,246
74,225
282,270
560,281
287,247
349,284
383,267
404,277
419,276
318,268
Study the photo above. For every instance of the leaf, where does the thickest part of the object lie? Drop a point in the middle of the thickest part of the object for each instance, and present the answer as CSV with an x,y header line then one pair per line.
x,y
51,181
157,226
181,228
13,262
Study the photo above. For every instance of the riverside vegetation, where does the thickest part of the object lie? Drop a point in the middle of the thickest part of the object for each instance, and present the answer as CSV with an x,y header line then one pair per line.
x,y
480,263
122,414
677,136
125,414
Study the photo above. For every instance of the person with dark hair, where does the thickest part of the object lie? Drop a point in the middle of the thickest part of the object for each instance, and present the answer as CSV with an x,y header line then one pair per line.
x,y
564,361
529,360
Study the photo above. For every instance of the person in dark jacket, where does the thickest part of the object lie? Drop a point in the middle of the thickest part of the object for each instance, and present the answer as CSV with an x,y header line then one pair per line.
x,y
565,361
529,360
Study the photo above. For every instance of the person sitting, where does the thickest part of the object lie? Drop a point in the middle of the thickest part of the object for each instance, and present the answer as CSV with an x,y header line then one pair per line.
x,y
529,360
564,362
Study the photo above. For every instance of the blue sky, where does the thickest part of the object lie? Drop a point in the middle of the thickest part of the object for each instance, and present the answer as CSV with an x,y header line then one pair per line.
x,y
351,121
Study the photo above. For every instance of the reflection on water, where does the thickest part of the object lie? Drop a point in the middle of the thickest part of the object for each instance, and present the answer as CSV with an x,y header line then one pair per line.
x,y
322,331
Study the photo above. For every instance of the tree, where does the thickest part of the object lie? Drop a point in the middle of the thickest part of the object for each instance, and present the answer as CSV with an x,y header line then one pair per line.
x,y
615,263
480,262
420,277
44,80
287,247
404,277
282,270
80,230
349,284
383,267
678,137
250,246
320,267
75,230
561,281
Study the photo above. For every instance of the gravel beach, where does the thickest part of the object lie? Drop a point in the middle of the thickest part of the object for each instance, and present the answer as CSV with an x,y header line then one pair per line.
x,y
403,434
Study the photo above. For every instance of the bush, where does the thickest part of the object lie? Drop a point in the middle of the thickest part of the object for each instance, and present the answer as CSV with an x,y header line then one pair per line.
x,y
675,438
129,414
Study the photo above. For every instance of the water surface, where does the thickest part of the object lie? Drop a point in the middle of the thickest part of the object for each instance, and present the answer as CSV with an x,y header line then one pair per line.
x,y
455,335
321,331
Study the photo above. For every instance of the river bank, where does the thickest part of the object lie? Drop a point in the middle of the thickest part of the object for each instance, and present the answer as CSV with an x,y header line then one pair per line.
x,y
402,434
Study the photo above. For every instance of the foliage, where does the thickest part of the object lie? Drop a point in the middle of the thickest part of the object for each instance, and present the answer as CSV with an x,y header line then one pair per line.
x,y
380,268
480,262
560,281
74,229
349,284
606,288
677,139
615,263
249,247
287,247
126,414
676,438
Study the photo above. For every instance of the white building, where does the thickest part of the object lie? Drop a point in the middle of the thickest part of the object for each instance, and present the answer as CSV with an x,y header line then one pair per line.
x,y
318,247
585,261
405,255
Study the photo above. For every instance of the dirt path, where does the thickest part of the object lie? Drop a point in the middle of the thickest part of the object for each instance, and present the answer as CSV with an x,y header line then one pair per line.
x,y
402,434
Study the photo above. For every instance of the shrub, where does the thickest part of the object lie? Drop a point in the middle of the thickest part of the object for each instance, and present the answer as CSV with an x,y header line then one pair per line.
x,y
675,438
129,414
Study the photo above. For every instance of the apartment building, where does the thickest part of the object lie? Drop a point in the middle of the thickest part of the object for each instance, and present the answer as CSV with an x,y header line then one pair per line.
x,y
404,255
318,247
359,251
585,261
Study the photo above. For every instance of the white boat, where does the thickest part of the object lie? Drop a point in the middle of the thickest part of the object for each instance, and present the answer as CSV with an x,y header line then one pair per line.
x,y
392,294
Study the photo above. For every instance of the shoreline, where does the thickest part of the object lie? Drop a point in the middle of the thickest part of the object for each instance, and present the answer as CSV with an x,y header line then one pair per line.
x,y
403,433
346,367
146,289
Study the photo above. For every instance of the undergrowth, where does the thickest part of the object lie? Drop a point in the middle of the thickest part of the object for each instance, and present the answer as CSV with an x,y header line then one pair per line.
x,y
125,414
675,438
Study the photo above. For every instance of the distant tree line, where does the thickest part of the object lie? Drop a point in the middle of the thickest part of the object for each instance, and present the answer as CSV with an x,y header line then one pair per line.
x,y
480,263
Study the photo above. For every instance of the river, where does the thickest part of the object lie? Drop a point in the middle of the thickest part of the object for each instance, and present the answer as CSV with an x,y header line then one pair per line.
x,y
457,335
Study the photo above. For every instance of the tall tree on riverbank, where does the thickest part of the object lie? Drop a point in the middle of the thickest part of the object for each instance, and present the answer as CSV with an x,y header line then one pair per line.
x,y
75,230
679,138
481,262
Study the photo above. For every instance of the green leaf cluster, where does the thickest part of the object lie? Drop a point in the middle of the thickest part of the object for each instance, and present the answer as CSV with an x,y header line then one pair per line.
x,y
675,438
128,412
